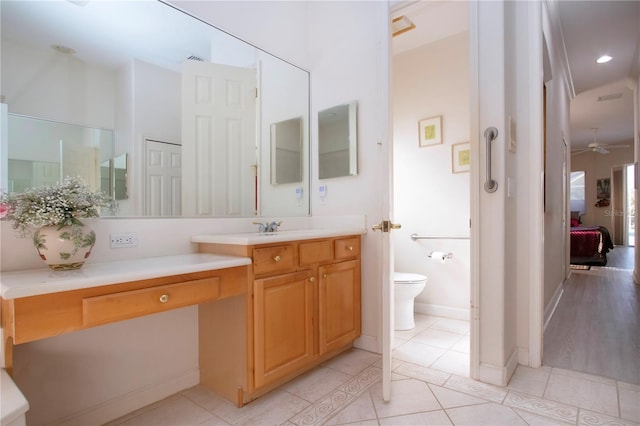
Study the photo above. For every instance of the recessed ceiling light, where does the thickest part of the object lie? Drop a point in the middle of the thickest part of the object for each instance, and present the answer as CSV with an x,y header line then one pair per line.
x,y
604,59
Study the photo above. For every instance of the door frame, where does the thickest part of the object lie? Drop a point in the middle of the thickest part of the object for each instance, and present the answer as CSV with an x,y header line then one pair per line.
x,y
531,292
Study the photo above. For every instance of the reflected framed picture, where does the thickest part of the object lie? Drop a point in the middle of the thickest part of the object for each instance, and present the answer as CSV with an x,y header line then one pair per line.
x,y
430,131
460,157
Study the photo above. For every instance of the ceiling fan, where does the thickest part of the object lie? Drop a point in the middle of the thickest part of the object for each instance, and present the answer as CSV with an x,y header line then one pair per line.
x,y
596,147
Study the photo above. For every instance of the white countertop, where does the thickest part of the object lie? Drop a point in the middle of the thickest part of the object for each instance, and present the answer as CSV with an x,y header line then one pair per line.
x,y
34,282
251,238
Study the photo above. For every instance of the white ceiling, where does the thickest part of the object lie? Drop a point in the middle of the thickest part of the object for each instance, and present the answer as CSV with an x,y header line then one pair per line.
x,y
590,29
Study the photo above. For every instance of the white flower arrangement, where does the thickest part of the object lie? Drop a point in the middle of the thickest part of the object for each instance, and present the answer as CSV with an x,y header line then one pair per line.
x,y
61,204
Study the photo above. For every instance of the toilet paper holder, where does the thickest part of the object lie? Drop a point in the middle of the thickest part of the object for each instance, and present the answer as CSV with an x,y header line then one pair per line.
x,y
440,255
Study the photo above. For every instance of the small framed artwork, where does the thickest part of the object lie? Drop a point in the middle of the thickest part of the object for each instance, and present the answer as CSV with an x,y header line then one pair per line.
x,y
460,157
430,131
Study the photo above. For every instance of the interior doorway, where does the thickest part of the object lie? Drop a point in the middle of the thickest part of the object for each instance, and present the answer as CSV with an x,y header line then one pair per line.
x,y
630,179
623,210
431,183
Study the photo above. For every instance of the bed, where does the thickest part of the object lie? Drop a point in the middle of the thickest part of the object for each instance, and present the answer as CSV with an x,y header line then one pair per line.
x,y
590,245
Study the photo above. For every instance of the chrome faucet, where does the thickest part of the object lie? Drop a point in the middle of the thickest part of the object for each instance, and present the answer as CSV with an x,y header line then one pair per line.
x,y
268,227
273,226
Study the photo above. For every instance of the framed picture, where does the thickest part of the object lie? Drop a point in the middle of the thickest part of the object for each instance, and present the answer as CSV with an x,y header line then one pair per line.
x,y
460,157
603,192
430,131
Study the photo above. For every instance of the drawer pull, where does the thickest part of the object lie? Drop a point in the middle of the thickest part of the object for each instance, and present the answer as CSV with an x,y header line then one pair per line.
x,y
277,258
312,279
350,248
164,298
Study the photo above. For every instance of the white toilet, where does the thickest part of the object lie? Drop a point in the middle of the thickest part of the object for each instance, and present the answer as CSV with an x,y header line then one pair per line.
x,y
406,286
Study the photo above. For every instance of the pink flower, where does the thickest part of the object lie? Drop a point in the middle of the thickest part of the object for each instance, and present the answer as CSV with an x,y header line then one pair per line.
x,y
4,210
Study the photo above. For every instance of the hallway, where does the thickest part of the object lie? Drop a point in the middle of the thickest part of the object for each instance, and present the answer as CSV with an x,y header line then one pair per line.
x,y
595,328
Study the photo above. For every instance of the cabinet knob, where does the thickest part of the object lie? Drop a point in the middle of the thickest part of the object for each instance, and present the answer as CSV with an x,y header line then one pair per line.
x,y
164,298
324,275
350,248
312,279
277,258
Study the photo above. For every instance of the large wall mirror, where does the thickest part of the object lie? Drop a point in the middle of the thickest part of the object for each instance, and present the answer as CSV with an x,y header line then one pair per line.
x,y
338,141
186,111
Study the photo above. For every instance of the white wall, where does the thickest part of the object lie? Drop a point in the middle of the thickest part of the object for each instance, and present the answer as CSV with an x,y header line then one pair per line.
x,y
58,87
428,198
558,128
279,27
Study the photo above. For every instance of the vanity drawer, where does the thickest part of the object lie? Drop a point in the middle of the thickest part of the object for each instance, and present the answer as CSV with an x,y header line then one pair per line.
x,y
273,259
347,247
129,304
314,252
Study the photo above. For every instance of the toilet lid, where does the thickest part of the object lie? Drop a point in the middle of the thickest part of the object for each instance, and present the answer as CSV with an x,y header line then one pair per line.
x,y
407,277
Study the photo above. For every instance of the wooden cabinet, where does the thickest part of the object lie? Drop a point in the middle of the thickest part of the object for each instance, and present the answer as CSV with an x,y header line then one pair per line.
x,y
282,324
339,304
304,309
32,318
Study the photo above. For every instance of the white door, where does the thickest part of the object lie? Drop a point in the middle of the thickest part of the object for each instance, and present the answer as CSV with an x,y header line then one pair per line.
x,y
163,179
218,139
385,185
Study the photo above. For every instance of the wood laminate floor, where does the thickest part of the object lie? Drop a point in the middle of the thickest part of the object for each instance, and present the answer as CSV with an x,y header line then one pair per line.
x,y
595,328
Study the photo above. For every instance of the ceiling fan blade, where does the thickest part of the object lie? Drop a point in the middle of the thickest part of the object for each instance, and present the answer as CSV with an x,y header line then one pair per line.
x,y
616,146
580,152
602,150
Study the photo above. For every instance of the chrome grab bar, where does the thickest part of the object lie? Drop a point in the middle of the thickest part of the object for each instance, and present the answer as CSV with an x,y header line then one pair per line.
x,y
490,135
424,237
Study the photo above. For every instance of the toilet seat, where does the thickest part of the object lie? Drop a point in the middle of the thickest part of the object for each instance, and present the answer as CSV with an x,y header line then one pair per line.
x,y
407,278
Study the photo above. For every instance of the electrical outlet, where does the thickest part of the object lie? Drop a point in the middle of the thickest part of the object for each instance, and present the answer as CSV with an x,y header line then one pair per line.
x,y
125,239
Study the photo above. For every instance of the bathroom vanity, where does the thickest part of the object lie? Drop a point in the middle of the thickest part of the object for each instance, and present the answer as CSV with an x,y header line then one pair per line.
x,y
270,306
41,303
302,307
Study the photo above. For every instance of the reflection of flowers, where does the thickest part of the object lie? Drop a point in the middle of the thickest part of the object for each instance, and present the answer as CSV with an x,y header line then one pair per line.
x,y
59,205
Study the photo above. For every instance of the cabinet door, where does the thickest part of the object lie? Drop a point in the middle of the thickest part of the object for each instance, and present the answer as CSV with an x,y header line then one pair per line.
x,y
283,325
339,304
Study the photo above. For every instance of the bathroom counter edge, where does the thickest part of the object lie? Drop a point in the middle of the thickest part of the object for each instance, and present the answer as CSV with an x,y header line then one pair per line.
x,y
33,282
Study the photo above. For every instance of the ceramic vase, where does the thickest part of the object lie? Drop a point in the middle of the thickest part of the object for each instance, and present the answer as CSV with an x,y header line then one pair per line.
x,y
66,247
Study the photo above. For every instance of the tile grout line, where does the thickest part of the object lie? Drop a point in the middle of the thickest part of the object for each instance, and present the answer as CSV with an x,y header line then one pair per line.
x,y
324,409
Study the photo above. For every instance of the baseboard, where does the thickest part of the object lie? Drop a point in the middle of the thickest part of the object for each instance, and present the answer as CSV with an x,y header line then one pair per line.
x,y
523,356
499,375
367,343
131,401
442,311
552,305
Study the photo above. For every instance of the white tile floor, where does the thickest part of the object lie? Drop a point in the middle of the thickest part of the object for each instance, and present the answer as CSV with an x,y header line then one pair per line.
x,y
430,387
